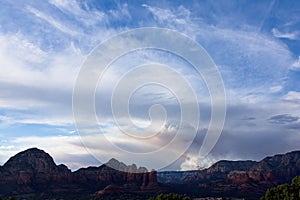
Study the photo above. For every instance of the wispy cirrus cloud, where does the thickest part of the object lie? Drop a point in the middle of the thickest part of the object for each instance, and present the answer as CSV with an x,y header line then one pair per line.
x,y
82,13
246,50
287,35
62,27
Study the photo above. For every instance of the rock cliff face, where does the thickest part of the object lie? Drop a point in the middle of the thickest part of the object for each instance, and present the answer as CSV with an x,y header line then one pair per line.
x,y
34,171
134,179
236,178
110,190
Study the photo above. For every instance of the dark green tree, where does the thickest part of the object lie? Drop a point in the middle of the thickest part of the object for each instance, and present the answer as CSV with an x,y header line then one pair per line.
x,y
284,191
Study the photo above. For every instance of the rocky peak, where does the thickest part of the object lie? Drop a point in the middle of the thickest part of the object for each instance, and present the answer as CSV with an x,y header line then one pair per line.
x,y
225,166
34,170
30,159
115,164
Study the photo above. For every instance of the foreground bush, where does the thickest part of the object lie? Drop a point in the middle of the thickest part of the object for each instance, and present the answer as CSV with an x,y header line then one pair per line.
x,y
284,191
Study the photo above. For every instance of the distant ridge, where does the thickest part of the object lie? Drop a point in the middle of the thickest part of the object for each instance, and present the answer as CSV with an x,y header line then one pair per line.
x,y
236,178
34,171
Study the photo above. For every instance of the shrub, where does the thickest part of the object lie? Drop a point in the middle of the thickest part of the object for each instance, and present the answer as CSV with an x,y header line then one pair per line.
x,y
284,191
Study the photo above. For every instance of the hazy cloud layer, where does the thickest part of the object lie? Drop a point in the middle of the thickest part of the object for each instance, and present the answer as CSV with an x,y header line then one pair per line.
x,y
43,45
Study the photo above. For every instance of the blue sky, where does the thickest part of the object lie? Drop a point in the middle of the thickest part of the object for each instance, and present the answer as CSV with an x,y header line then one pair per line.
x,y
254,44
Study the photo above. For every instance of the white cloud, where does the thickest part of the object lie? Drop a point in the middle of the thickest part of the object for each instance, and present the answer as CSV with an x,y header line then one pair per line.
x,y
68,149
121,12
62,27
292,96
161,14
41,81
36,119
276,88
296,64
35,80
180,15
9,147
16,48
235,51
287,35
88,17
193,162
32,66
63,149
178,19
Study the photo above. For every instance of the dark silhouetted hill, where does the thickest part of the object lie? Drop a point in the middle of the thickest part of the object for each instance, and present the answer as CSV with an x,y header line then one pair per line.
x,y
34,171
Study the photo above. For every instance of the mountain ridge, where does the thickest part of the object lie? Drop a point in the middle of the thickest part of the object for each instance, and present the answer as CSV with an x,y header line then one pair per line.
x,y
34,171
236,178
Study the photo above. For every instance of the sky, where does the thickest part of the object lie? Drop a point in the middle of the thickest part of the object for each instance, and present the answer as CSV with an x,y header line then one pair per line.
x,y
255,46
